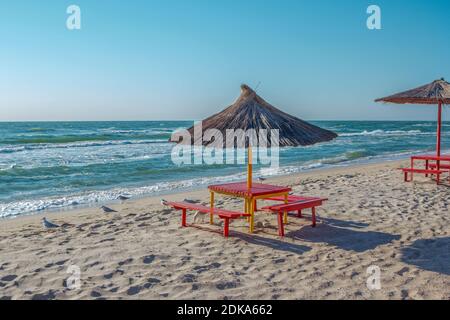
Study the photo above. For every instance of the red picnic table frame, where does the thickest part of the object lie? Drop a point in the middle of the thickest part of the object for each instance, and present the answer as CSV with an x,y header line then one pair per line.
x,y
250,195
437,167
428,158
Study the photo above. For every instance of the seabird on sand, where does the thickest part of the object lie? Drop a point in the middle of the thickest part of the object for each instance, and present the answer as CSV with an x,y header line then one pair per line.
x,y
48,224
107,210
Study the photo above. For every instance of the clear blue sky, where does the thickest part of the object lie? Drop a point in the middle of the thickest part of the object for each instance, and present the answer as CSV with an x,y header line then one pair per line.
x,y
185,59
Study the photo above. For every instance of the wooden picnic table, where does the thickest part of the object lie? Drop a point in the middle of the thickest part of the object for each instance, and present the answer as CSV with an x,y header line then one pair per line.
x,y
250,196
428,158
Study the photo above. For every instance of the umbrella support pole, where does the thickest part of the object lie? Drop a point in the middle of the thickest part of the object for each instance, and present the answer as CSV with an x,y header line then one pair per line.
x,y
249,167
439,129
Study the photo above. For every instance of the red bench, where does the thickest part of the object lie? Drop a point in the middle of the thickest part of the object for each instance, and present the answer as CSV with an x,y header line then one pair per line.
x,y
295,203
310,202
407,171
441,166
225,215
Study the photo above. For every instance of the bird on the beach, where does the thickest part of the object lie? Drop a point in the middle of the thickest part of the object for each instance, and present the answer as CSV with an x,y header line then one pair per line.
x,y
196,216
107,210
122,198
48,224
262,179
164,202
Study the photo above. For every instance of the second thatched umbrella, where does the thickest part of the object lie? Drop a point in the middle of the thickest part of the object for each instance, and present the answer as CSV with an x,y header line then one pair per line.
x,y
435,93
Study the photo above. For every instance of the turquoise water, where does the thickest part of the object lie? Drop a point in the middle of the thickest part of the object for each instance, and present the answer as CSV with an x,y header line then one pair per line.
x,y
51,165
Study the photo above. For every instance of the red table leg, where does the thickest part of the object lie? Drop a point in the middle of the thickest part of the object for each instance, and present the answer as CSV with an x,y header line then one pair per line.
x,y
299,214
226,227
183,218
280,224
314,217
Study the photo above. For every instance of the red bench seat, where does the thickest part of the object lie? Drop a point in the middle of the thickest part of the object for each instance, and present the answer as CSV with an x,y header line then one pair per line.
x,y
441,166
407,171
295,203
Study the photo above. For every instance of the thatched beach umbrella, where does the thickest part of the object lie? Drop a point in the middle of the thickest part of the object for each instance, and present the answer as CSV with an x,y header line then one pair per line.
x,y
435,93
250,111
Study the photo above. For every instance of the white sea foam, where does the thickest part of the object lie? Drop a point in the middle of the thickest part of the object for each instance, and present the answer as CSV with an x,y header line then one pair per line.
x,y
96,197
81,144
30,206
385,133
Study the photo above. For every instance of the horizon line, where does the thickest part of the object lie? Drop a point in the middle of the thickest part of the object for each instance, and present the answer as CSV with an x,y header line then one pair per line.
x,y
193,120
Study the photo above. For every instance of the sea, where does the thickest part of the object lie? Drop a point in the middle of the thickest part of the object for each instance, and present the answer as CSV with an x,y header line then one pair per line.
x,y
64,165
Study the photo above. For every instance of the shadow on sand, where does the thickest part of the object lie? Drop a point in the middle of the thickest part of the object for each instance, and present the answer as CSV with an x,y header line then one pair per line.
x,y
344,235
343,223
339,233
429,254
272,243
275,244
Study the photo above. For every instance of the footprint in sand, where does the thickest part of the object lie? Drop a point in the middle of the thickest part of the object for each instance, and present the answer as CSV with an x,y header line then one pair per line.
x,y
226,285
50,295
405,294
112,274
61,263
9,278
134,290
402,271
188,278
149,259
278,261
151,282
143,225
93,264
200,269
127,261
144,218
95,294
2,267
38,270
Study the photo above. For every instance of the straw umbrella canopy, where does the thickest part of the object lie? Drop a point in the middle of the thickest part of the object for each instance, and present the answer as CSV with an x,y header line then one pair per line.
x,y
435,93
250,111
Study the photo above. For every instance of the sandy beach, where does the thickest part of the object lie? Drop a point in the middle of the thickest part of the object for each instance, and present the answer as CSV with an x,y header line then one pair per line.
x,y
372,218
